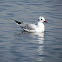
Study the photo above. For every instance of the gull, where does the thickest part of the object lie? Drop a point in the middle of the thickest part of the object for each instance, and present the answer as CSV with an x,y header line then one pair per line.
x,y
39,27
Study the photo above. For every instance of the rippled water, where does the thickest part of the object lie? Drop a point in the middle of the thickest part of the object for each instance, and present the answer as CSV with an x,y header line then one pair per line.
x,y
16,46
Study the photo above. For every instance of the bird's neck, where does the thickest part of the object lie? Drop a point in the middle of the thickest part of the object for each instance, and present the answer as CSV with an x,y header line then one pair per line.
x,y
40,24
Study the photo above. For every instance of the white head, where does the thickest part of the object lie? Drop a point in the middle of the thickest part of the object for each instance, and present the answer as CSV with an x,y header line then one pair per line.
x,y
41,19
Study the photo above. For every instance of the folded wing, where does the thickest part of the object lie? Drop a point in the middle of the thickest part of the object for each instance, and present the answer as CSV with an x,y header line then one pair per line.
x,y
28,27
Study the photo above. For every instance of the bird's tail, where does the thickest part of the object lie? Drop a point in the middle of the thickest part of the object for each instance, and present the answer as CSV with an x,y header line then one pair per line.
x,y
17,21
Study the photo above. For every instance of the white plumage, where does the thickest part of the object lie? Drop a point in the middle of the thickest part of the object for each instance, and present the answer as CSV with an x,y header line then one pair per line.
x,y
39,27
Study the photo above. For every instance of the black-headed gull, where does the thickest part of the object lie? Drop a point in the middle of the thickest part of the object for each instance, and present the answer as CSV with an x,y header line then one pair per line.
x,y
39,27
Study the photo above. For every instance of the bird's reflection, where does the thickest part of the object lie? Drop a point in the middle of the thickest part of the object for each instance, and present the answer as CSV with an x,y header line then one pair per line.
x,y
40,39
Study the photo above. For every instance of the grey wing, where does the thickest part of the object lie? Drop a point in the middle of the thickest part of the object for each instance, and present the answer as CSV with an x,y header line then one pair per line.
x,y
28,26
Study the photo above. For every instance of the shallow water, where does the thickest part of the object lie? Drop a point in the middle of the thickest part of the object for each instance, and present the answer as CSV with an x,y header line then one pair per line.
x,y
16,46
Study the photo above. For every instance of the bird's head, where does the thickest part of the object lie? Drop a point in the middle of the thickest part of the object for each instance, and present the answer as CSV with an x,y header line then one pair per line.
x,y
42,19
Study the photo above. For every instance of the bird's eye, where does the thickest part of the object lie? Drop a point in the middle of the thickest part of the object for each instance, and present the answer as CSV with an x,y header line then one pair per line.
x,y
41,19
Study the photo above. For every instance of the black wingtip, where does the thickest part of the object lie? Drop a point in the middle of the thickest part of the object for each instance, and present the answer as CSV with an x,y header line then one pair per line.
x,y
17,21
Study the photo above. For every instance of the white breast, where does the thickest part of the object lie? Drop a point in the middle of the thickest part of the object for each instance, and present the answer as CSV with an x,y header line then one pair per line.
x,y
40,27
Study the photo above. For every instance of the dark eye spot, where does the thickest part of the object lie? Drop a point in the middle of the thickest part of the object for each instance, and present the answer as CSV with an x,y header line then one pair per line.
x,y
38,19
41,19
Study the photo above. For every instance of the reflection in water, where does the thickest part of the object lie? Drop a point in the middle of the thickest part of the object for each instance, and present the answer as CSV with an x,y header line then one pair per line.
x,y
33,44
40,39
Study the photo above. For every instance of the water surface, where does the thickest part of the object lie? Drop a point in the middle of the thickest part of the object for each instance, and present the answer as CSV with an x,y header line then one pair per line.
x,y
16,46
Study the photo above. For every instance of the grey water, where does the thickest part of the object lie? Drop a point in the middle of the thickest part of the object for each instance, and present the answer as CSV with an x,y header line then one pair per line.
x,y
18,46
